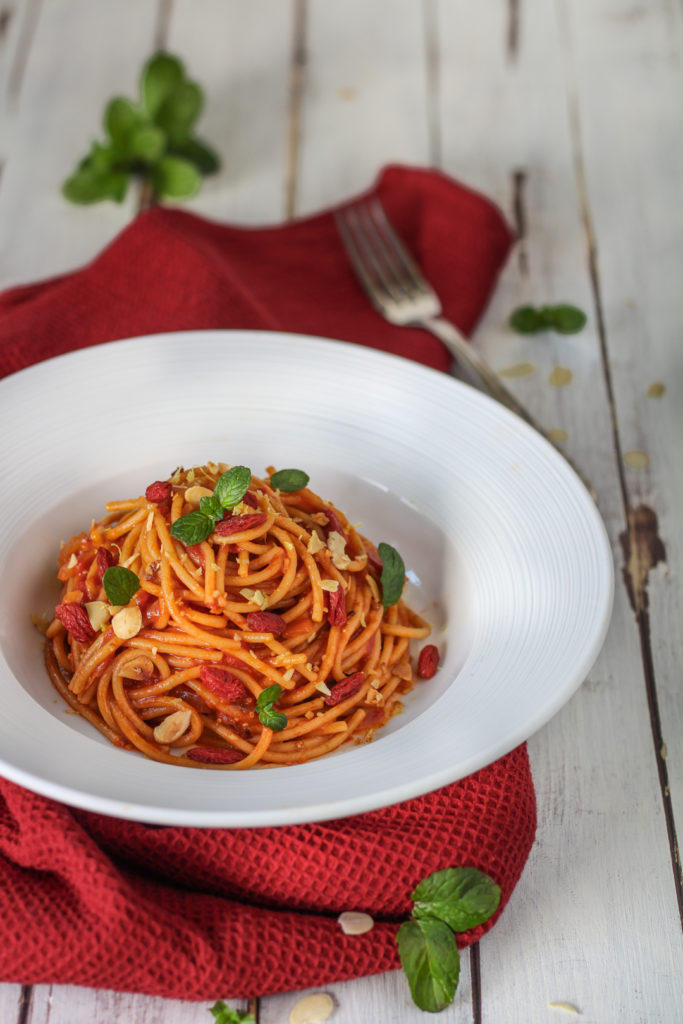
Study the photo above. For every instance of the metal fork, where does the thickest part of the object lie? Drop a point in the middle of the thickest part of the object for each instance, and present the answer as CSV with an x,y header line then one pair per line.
x,y
399,291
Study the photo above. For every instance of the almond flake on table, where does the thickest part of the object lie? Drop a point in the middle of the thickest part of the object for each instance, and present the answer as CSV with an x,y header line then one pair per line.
x,y
313,1009
355,922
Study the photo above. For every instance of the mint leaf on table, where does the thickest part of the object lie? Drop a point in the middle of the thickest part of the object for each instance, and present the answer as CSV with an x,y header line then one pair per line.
x,y
430,959
151,140
120,584
564,319
226,1015
461,897
393,574
445,902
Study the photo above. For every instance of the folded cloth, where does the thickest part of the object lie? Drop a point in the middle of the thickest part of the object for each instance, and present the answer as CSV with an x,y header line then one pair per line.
x,y
207,913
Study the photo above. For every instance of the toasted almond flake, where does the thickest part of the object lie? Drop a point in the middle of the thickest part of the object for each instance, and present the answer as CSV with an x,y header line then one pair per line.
x,y
315,544
288,674
404,670
98,613
255,597
567,1007
129,561
172,727
313,1009
374,697
215,566
331,585
242,509
362,620
127,623
324,688
190,475
355,922
72,561
337,546
288,546
193,495
155,651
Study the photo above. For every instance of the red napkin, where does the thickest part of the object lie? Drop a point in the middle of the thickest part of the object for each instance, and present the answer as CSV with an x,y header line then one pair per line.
x,y
209,913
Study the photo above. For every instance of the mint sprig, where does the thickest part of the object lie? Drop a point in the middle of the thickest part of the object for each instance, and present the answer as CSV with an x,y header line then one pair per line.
x,y
120,584
446,902
564,319
268,716
151,140
225,1014
198,526
393,574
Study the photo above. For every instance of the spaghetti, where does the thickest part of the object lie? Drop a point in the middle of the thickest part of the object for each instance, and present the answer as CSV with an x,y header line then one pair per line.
x,y
268,642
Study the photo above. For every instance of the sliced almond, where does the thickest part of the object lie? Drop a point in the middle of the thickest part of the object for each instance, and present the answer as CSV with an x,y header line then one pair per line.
x,y
255,597
313,1009
331,585
72,561
337,546
374,696
98,613
324,688
354,922
193,495
172,727
127,623
315,544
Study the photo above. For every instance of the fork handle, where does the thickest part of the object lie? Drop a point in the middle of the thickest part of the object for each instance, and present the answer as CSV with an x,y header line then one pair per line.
x,y
474,369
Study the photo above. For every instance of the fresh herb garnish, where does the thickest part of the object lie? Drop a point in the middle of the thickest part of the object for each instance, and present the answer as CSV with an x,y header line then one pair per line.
x,y
226,1015
564,319
197,526
393,574
151,140
289,480
448,901
120,584
268,716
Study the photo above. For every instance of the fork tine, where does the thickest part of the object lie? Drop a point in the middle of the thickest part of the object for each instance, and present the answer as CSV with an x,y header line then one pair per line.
x,y
395,244
371,251
351,242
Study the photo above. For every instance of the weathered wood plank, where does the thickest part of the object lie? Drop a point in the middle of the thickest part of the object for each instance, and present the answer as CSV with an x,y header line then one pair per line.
x,y
601,829
69,1004
72,69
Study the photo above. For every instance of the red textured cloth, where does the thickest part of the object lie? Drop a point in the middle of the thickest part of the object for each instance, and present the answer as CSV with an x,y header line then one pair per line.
x,y
209,913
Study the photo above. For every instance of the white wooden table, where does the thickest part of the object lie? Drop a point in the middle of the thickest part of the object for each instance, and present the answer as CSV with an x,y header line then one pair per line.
x,y
569,116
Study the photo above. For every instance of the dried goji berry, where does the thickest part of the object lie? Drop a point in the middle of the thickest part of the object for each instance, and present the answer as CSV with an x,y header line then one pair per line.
x,y
196,554
336,615
334,525
236,524
428,661
345,688
230,659
159,491
250,499
266,622
223,684
105,560
215,755
75,620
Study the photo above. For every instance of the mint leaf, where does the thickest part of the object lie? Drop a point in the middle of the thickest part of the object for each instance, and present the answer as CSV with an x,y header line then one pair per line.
x,y
198,153
526,320
120,118
564,319
268,716
232,486
120,584
160,77
393,574
430,959
461,897
226,1015
175,178
269,695
146,143
192,528
289,480
180,110
90,186
211,506
272,719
